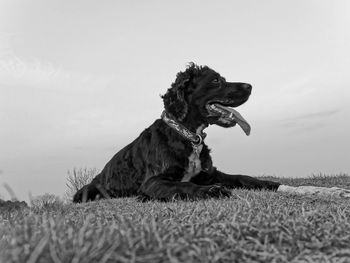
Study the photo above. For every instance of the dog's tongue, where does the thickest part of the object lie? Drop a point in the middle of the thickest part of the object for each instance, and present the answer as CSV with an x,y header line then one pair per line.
x,y
235,116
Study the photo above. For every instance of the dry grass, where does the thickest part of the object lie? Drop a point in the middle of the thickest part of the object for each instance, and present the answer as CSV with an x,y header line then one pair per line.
x,y
251,226
77,178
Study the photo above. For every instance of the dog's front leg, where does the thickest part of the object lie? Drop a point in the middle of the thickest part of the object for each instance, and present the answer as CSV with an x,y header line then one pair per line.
x,y
242,181
163,188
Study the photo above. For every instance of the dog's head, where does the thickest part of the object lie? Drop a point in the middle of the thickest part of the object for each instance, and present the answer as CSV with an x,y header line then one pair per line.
x,y
200,95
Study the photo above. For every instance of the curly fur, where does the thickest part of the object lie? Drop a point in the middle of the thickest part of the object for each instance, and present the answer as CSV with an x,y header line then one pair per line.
x,y
174,100
154,165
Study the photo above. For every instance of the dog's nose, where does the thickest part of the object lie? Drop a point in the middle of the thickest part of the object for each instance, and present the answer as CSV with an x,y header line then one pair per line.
x,y
247,87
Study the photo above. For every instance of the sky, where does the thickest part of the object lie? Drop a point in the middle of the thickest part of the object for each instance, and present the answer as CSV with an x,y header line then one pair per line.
x,y
81,79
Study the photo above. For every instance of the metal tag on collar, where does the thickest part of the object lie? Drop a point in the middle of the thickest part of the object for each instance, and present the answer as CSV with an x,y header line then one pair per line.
x,y
198,142
197,147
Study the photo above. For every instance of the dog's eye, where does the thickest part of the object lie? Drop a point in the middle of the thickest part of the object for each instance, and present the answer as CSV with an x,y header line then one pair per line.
x,y
216,80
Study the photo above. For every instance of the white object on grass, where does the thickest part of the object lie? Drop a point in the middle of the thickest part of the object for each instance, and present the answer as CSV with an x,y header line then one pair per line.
x,y
315,190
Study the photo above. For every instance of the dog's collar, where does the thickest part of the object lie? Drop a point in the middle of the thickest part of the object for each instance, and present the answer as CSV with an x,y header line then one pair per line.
x,y
195,138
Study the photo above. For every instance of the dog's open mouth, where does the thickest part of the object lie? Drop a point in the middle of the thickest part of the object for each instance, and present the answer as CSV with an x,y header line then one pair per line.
x,y
228,117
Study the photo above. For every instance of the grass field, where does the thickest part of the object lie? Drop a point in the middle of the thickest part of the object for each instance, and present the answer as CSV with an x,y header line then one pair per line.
x,y
251,226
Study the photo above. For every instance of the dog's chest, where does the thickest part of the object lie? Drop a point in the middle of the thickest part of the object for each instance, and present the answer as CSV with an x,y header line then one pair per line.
x,y
194,164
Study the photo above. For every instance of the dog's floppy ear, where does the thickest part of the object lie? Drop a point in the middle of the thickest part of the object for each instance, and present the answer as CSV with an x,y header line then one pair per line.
x,y
174,100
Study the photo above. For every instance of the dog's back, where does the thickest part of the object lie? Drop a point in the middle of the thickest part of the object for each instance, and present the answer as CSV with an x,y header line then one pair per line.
x,y
148,155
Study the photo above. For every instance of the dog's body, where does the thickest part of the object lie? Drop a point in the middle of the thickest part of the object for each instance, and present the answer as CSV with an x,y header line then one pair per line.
x,y
169,159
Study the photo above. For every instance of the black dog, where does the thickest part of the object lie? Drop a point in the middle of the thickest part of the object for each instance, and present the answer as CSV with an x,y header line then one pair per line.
x,y
170,159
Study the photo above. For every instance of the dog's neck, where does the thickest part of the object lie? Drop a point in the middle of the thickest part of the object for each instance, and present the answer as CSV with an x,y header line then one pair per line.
x,y
193,133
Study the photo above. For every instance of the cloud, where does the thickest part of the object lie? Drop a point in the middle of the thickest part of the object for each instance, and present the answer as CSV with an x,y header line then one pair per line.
x,y
320,114
17,72
37,73
309,122
304,126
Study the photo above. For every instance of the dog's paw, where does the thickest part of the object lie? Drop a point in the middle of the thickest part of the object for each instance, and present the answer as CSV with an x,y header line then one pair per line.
x,y
272,185
220,191
216,191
